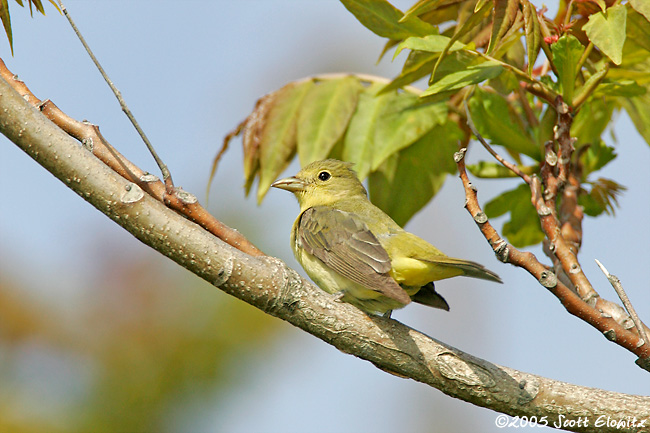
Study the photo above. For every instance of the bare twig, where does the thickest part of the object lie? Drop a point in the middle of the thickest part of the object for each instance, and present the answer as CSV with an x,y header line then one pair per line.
x,y
89,135
616,284
163,167
512,167
507,253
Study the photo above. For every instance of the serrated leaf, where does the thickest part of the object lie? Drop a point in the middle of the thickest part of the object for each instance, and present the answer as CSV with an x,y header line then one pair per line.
x,y
383,19
402,122
324,115
493,170
533,34
471,75
523,228
638,109
566,54
418,171
603,197
430,43
419,8
607,31
278,135
496,120
358,143
505,12
642,7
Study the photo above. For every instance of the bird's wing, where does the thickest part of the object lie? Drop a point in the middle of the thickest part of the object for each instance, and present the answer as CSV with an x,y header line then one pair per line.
x,y
344,243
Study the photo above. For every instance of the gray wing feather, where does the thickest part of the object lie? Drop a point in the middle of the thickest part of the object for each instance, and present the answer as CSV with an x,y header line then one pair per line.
x,y
344,243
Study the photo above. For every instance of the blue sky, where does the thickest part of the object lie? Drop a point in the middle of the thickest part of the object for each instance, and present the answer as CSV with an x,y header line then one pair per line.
x,y
190,74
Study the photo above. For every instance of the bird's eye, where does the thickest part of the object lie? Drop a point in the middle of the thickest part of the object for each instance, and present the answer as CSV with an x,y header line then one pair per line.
x,y
324,175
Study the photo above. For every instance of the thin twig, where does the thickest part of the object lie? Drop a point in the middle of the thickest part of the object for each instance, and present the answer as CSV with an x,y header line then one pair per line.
x,y
512,167
616,284
507,253
163,168
92,140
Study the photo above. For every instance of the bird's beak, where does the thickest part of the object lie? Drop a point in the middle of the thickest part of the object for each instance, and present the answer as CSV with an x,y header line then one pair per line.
x,y
292,184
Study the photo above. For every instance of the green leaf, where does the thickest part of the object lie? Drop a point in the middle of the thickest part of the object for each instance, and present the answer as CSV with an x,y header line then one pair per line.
x,y
474,20
418,65
505,12
642,7
278,135
523,228
494,170
358,143
626,88
419,8
596,157
638,30
459,79
533,33
495,119
383,19
638,109
324,115
603,197
430,43
402,122
544,132
500,205
566,54
592,119
479,4
607,31
6,22
408,180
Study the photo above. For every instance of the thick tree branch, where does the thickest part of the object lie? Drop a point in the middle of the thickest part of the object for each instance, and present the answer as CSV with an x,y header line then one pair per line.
x,y
271,286
89,135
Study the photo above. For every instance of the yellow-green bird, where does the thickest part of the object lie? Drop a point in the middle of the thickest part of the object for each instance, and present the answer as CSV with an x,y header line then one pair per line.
x,y
350,247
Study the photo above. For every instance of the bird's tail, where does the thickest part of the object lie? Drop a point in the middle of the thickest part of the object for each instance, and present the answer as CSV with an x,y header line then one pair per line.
x,y
470,269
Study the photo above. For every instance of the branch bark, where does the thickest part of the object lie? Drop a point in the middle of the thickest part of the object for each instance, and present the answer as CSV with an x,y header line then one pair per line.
x,y
271,286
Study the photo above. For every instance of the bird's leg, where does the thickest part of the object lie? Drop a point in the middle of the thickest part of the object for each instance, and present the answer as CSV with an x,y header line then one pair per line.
x,y
387,314
338,296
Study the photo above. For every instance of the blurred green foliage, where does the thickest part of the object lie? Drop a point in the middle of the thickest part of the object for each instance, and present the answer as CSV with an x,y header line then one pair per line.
x,y
143,340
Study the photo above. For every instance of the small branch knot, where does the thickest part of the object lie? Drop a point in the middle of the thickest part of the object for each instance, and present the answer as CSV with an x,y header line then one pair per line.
x,y
551,158
548,279
610,334
480,218
458,156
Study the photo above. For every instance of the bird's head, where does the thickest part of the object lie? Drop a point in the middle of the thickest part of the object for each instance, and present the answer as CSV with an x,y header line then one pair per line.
x,y
323,183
